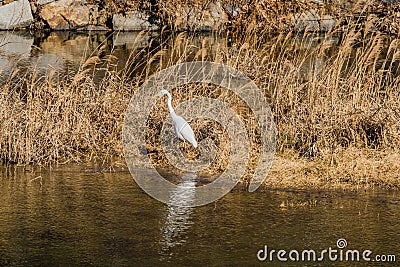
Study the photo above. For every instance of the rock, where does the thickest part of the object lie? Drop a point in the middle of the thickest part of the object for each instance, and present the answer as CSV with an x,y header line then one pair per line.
x,y
232,10
390,2
307,21
327,23
65,14
201,18
133,21
43,2
16,14
33,7
310,21
69,14
320,2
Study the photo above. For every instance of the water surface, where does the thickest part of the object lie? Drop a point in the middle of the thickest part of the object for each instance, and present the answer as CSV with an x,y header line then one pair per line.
x,y
77,216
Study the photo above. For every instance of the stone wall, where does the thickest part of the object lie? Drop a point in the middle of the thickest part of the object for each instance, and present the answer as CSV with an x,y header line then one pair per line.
x,y
192,15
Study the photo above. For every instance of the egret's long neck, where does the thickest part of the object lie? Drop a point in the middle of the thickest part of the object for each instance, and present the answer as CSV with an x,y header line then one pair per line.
x,y
169,102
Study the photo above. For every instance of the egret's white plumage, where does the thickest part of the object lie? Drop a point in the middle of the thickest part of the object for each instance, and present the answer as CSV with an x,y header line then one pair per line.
x,y
181,127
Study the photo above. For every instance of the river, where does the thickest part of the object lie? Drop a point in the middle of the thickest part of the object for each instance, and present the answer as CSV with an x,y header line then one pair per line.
x,y
81,216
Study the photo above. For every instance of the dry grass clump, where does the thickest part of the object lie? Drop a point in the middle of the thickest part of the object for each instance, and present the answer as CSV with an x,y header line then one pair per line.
x,y
270,16
242,16
348,169
278,16
335,100
323,99
47,119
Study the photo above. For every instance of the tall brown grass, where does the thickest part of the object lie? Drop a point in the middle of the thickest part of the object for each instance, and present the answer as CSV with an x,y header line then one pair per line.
x,y
330,96
253,16
273,16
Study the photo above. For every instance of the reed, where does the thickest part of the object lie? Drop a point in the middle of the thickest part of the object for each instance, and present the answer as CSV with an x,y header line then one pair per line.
x,y
335,100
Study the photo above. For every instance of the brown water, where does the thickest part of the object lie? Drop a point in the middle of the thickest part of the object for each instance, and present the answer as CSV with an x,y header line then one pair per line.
x,y
76,216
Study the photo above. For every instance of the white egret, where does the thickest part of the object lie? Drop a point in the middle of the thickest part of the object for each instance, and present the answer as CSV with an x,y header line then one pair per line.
x,y
181,127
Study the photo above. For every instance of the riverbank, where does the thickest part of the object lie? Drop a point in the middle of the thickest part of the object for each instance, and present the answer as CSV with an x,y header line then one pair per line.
x,y
351,169
335,100
354,170
217,15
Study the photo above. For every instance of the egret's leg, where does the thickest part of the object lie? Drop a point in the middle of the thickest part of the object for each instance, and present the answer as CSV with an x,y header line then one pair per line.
x,y
184,145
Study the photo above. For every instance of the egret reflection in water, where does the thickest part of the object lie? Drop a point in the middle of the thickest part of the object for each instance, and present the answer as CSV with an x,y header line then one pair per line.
x,y
179,209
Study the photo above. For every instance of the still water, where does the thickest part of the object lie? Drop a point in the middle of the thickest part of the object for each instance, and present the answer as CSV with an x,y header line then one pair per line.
x,y
80,216
67,51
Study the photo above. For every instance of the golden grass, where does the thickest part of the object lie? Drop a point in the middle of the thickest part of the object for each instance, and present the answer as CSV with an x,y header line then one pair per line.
x,y
335,100
348,169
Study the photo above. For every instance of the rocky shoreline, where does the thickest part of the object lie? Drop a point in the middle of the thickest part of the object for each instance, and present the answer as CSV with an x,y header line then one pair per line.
x,y
195,15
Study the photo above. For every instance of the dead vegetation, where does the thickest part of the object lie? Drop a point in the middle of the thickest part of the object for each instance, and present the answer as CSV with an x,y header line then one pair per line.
x,y
335,100
250,17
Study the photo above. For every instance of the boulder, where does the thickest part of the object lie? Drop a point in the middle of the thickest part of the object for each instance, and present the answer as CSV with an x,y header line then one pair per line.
x,y
327,23
390,2
133,21
311,21
16,14
43,2
69,14
211,16
232,10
